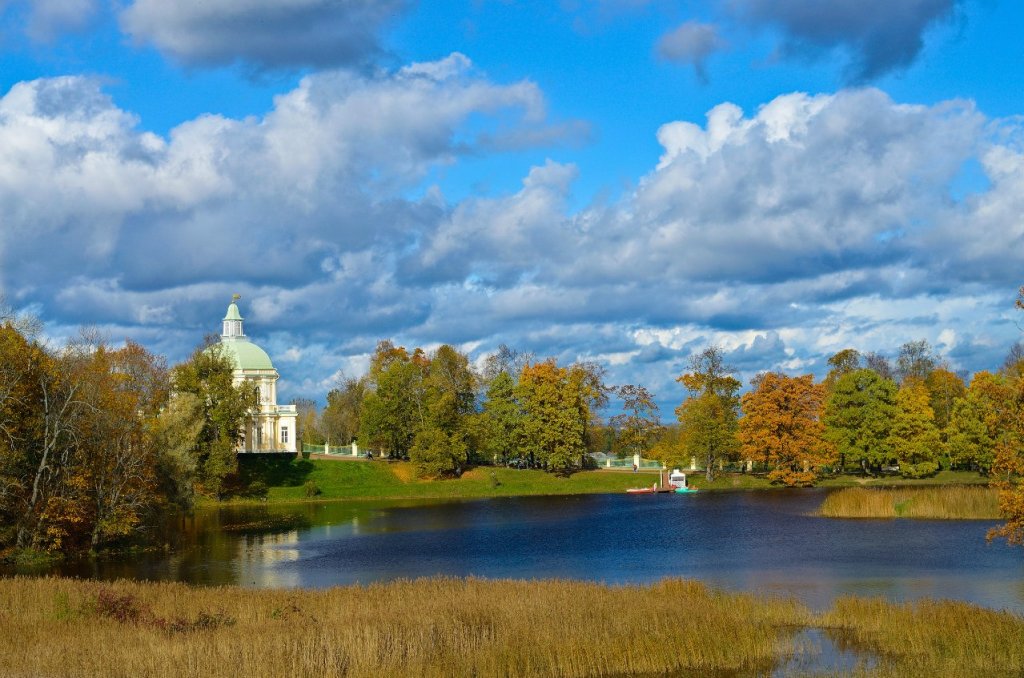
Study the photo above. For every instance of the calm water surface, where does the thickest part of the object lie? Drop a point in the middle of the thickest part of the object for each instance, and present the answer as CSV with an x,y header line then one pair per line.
x,y
766,542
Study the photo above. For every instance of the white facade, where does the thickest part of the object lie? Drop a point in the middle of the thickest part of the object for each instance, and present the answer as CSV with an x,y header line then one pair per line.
x,y
273,428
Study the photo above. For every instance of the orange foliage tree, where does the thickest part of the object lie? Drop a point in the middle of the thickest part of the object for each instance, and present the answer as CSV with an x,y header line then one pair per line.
x,y
1008,464
782,427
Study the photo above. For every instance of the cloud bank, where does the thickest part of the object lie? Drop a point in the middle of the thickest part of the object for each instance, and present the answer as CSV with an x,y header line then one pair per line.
x,y
265,33
814,223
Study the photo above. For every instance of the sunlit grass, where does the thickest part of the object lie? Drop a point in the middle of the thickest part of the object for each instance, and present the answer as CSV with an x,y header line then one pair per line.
x,y
464,627
930,638
433,627
950,502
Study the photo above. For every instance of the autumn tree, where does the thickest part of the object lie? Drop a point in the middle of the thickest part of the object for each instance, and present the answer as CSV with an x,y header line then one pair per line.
x,y
39,407
709,416
858,418
841,363
913,437
1008,461
945,388
782,427
670,446
123,391
639,422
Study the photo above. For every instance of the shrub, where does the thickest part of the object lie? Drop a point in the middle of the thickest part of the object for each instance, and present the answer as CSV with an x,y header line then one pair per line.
x,y
257,489
311,488
922,470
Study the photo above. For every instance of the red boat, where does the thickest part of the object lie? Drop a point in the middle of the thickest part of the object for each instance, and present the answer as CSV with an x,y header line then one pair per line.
x,y
643,490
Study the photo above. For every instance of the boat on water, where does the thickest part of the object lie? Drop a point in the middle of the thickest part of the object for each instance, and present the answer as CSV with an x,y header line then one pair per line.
x,y
653,489
685,490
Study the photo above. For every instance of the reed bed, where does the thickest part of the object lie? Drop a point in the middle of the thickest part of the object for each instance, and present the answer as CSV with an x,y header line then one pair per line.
x,y
950,503
930,638
430,627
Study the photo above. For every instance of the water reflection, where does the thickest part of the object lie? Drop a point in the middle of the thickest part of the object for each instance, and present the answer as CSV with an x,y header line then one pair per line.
x,y
758,541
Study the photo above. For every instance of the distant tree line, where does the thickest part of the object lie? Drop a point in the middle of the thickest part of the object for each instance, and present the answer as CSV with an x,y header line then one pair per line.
x,y
436,410
867,415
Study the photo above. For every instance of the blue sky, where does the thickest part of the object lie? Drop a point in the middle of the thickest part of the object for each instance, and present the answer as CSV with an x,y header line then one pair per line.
x,y
615,180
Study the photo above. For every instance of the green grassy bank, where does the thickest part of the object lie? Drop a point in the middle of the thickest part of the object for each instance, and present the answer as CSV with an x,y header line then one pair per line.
x,y
459,627
285,479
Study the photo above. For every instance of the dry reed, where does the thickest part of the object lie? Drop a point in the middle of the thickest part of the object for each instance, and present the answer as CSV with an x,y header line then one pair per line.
x,y
948,502
931,638
430,627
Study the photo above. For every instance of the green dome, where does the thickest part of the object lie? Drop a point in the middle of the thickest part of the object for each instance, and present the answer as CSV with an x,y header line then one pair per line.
x,y
245,354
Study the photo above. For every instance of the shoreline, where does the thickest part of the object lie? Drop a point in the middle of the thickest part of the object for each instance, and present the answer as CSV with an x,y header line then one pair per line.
x,y
368,481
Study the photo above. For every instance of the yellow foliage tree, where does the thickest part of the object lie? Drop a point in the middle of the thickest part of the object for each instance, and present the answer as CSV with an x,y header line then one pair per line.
x,y
782,428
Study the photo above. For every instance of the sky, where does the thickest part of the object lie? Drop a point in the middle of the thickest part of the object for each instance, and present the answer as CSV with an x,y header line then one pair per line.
x,y
620,181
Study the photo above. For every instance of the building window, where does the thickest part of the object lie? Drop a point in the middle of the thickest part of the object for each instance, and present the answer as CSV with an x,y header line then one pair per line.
x,y
258,395
259,436
284,434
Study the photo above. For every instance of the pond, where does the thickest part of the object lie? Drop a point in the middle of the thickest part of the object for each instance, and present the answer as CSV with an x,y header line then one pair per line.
x,y
765,542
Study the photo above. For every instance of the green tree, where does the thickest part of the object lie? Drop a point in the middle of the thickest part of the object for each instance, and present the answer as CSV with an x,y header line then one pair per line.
x,y
980,420
441,443
555,416
224,408
308,423
709,416
913,436
841,363
393,407
340,418
858,418
176,431
501,420
945,388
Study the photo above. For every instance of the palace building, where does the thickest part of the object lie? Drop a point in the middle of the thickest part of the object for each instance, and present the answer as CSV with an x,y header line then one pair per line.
x,y
273,427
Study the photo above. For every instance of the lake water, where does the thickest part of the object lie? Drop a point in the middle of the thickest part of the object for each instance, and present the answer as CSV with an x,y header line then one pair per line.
x,y
766,542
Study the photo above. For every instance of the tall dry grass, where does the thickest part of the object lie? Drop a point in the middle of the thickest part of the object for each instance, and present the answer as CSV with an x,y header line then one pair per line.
x,y
948,502
931,638
432,627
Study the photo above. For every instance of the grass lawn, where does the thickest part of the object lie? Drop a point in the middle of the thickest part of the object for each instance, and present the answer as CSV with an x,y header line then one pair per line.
x,y
355,479
285,478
